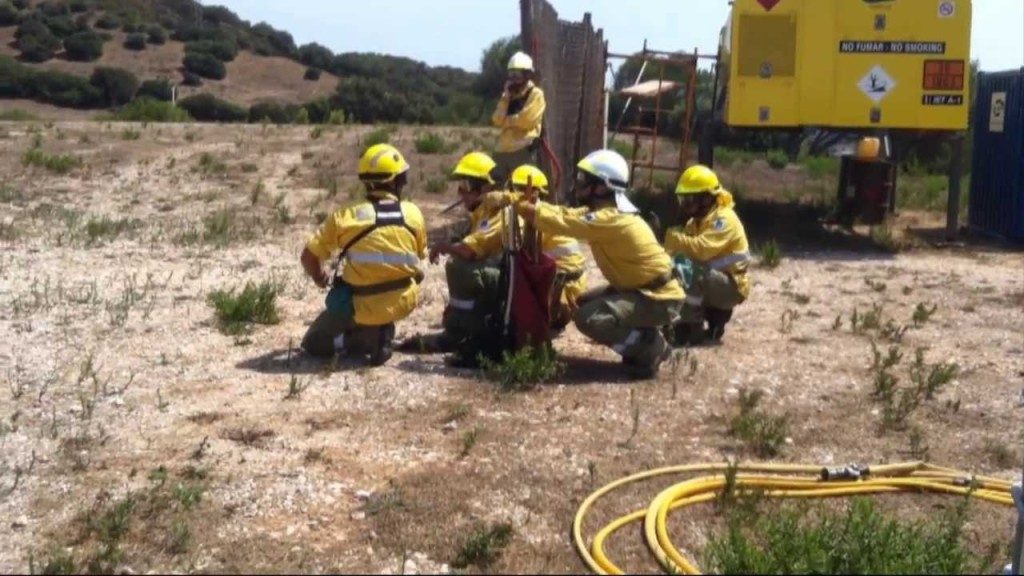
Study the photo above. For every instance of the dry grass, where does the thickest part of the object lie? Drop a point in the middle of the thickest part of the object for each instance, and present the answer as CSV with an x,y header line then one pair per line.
x,y
281,482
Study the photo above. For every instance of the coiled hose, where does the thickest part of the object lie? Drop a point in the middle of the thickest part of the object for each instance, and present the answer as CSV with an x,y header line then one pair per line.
x,y
776,481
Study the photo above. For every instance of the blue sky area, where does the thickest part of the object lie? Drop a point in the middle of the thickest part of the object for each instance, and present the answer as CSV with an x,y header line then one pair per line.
x,y
455,32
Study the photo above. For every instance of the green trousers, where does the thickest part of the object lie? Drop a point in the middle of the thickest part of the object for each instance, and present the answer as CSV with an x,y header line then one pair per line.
x,y
474,294
709,289
332,332
630,323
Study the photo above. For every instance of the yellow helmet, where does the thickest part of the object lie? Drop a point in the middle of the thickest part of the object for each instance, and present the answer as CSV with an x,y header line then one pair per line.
x,y
527,174
382,163
475,166
521,61
698,180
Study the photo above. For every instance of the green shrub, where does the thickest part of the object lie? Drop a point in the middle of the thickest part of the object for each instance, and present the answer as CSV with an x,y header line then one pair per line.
x,y
771,254
61,26
83,46
208,108
380,135
312,74
763,434
146,109
17,116
20,4
36,41
160,89
861,540
319,110
337,118
238,311
119,85
190,79
78,6
205,65
523,370
819,167
130,27
135,42
59,164
8,14
50,86
108,21
777,159
223,50
483,546
155,34
274,112
315,56
431,143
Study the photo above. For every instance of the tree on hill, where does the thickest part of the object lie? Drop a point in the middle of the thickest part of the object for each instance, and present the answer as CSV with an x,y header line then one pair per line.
x,y
119,85
83,47
494,66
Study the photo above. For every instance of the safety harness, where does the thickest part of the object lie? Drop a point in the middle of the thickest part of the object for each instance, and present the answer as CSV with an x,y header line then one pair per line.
x,y
387,214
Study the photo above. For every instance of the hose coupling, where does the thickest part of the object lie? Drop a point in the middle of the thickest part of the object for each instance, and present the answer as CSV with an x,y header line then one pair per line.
x,y
841,473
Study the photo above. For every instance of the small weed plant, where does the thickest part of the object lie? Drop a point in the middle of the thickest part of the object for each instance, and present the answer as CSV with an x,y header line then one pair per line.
x,y
771,255
431,143
237,311
483,547
763,434
523,370
56,163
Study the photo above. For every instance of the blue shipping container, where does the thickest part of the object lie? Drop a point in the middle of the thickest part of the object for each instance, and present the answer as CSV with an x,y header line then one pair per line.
x,y
997,175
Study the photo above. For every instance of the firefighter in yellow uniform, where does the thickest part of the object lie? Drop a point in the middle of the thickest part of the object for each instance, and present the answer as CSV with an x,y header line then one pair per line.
x,y
567,252
643,294
380,242
474,269
520,116
713,255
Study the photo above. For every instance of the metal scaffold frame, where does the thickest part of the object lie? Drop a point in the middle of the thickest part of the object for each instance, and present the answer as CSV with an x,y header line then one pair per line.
x,y
664,61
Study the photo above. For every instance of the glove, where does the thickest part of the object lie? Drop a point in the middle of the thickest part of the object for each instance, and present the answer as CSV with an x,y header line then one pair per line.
x,y
495,201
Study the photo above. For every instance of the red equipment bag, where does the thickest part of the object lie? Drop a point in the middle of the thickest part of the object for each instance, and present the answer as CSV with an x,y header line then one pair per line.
x,y
529,309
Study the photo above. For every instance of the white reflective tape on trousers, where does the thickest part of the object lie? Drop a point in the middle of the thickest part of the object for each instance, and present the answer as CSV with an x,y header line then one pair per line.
x,y
563,251
630,340
727,261
380,258
458,304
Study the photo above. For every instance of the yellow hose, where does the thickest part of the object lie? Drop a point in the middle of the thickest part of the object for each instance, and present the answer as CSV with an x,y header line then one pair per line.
x,y
776,481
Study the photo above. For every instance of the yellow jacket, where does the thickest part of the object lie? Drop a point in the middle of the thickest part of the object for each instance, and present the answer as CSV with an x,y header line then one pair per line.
x,y
520,117
391,252
486,241
623,245
717,241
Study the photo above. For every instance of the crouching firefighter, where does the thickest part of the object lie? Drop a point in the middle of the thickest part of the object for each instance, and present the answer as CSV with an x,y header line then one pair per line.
x,y
643,294
712,254
379,243
567,252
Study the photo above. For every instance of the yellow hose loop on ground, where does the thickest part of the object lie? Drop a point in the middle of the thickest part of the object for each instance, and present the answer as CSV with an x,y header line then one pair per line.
x,y
775,481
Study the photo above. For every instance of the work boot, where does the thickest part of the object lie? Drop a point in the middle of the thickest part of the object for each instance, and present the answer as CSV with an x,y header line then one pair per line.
x,y
428,344
688,334
381,351
717,319
638,371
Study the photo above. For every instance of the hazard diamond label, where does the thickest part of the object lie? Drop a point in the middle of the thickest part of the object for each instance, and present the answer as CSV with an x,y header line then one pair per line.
x,y
768,4
877,84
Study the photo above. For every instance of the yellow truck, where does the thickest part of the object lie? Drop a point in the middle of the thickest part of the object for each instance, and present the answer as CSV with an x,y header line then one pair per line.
x,y
846,64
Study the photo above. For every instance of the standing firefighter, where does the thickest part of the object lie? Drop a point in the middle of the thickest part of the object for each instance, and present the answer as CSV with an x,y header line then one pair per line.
x,y
712,251
380,242
520,116
643,295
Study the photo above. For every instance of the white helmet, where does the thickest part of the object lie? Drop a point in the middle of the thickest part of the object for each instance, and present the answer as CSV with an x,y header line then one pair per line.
x,y
521,61
612,169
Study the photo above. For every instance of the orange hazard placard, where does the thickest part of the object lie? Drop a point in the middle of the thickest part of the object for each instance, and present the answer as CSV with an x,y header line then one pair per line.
x,y
944,75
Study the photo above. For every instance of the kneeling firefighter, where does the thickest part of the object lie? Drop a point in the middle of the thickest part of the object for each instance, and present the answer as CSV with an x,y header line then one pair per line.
x,y
380,242
643,294
712,252
567,252
477,271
